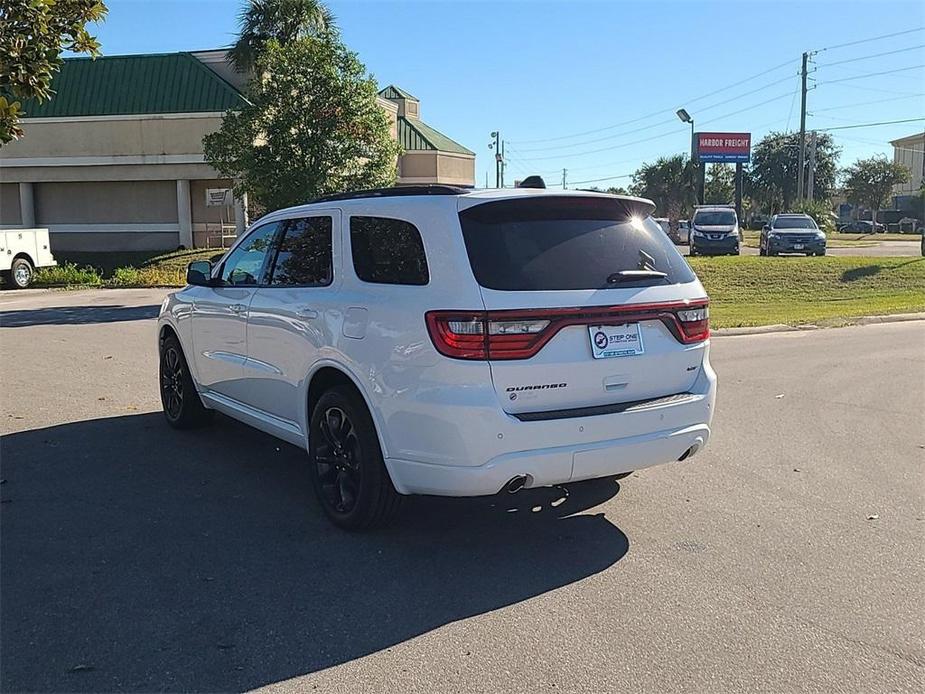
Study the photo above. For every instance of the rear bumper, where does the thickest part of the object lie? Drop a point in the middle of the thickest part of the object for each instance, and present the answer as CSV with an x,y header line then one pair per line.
x,y
727,244
547,466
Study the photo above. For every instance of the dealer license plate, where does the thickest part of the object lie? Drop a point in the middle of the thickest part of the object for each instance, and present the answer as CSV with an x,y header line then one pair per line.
x,y
615,340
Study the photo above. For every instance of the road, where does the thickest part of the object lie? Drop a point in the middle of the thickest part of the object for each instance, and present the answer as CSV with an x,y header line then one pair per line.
x,y
880,250
787,557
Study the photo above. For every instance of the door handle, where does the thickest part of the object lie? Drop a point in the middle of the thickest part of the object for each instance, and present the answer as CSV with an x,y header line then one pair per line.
x,y
237,308
307,313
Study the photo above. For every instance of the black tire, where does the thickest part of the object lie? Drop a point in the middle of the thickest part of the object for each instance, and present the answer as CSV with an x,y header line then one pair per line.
x,y
761,250
182,405
349,476
20,275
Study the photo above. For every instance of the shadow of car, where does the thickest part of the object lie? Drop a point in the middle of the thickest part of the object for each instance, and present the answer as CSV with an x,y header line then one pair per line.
x,y
201,561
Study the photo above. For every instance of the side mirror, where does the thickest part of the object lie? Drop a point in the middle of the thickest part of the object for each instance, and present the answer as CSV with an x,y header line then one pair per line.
x,y
199,273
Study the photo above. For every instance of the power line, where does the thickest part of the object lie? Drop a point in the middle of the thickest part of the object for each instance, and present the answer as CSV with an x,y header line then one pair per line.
x,y
872,74
655,113
876,90
869,57
598,180
866,103
870,125
665,122
867,40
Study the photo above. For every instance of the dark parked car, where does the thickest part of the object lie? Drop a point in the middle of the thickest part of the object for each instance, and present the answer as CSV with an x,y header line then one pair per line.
x,y
791,233
864,226
714,231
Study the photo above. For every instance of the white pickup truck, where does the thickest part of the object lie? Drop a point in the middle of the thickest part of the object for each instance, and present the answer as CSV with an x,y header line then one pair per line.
x,y
21,251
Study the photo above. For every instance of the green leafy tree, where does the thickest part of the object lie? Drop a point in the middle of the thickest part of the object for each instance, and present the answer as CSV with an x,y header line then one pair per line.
x,y
670,183
283,20
312,127
870,182
719,187
772,176
33,33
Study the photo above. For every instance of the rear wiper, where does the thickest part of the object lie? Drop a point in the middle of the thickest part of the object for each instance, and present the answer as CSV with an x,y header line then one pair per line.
x,y
633,275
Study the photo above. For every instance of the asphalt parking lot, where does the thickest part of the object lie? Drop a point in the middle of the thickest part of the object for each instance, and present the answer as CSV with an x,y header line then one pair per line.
x,y
787,557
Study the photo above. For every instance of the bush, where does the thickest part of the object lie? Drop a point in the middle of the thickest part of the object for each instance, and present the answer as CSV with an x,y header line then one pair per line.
x,y
147,277
67,275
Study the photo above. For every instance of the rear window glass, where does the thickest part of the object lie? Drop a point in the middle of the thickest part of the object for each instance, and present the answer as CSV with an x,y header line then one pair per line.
x,y
794,223
536,244
715,218
387,251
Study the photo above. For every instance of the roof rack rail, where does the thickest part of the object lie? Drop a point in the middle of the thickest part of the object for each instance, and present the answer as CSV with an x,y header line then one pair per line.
x,y
394,192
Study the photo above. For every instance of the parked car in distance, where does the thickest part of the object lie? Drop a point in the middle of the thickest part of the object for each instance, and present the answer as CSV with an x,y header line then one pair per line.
x,y
714,231
21,252
864,226
791,233
684,232
438,340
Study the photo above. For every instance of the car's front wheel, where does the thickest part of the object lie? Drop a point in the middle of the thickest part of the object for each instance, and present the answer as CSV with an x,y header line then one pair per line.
x,y
182,406
347,470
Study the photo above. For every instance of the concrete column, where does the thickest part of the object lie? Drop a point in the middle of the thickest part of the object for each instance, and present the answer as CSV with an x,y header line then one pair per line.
x,y
184,213
26,206
240,213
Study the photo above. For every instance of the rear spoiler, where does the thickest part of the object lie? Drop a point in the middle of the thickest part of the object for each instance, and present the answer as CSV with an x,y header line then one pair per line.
x,y
547,207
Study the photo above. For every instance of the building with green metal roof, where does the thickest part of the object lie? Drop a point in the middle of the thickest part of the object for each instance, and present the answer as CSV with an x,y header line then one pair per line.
x,y
115,162
428,156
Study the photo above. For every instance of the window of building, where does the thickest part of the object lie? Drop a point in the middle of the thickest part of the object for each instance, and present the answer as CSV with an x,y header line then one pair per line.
x,y
388,251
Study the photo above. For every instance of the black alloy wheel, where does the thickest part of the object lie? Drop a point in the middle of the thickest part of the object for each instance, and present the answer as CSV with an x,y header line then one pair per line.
x,y
337,458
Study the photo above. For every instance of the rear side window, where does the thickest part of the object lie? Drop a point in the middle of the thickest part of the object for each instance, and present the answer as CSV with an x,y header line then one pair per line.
x,y
304,257
536,244
387,251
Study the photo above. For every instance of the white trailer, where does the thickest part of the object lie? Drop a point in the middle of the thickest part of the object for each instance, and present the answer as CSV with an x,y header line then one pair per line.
x,y
21,251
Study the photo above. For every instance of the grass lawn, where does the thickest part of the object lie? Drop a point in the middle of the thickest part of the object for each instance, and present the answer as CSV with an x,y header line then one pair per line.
x,y
836,240
750,290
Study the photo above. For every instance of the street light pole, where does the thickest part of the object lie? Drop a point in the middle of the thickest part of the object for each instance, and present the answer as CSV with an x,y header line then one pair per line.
x,y
698,183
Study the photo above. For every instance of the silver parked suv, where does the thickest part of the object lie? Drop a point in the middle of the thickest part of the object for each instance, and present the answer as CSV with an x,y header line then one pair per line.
x,y
434,340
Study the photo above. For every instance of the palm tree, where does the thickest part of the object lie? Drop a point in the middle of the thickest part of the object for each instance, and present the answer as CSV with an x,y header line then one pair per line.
x,y
283,20
670,183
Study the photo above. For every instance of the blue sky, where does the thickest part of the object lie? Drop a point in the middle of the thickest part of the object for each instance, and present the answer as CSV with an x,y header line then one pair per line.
x,y
545,72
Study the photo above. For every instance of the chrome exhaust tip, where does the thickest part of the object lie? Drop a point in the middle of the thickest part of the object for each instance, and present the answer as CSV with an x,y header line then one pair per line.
x,y
515,484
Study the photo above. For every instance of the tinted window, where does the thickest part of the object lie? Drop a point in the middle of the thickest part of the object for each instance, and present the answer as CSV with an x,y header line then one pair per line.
x,y
304,256
565,243
387,251
245,264
715,218
794,223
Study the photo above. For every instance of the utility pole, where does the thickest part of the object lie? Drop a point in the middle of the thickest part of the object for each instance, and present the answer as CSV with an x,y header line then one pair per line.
x,y
802,155
486,179
564,174
811,173
502,163
496,145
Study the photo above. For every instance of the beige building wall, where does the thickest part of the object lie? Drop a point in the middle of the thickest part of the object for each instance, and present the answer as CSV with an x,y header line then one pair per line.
x,y
909,151
9,204
455,169
105,203
417,165
111,136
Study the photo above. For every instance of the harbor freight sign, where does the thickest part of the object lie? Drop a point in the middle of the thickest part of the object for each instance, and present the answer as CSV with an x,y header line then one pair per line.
x,y
724,147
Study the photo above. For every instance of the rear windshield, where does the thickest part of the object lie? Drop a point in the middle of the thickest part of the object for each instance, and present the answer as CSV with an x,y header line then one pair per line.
x,y
536,244
794,223
715,218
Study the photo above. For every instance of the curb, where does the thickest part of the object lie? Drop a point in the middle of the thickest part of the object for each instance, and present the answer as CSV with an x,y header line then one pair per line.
x,y
782,328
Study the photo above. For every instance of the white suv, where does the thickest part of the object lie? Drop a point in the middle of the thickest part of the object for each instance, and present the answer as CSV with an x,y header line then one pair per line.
x,y
435,340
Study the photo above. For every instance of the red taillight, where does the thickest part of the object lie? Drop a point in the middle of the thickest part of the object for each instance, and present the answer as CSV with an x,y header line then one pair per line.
x,y
520,334
694,323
